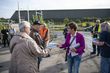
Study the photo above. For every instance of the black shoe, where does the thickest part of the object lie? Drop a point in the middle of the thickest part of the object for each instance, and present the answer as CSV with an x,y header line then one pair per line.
x,y
38,71
93,53
48,55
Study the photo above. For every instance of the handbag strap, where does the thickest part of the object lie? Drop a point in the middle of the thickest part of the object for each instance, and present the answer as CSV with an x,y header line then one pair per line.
x,y
72,41
107,44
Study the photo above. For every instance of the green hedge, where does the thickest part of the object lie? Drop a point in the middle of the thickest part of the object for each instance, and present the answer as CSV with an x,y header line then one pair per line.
x,y
3,26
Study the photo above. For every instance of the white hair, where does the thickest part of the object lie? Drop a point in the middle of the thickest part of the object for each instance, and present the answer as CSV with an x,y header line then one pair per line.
x,y
23,24
105,26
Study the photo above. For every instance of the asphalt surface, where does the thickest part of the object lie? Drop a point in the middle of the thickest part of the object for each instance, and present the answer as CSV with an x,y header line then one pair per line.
x,y
55,63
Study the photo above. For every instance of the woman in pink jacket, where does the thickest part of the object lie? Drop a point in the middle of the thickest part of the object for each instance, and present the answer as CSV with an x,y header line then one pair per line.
x,y
74,45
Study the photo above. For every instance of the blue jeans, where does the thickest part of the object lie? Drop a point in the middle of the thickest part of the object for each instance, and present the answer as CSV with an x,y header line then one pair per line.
x,y
105,65
73,63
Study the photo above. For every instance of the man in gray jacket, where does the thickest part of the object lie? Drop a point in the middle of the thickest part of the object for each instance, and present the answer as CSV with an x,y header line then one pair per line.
x,y
24,51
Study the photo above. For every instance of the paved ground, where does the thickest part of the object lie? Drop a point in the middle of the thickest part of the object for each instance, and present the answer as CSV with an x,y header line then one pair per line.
x,y
56,63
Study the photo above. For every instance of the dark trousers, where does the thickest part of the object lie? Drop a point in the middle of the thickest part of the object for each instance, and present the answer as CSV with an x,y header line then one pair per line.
x,y
5,41
39,61
95,47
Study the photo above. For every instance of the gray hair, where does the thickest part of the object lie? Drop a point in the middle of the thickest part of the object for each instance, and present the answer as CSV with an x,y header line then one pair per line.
x,y
23,24
105,26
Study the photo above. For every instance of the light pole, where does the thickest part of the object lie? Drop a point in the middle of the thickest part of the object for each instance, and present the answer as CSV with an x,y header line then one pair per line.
x,y
28,14
19,17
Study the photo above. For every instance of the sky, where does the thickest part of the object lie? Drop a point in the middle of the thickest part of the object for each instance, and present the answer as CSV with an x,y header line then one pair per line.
x,y
8,7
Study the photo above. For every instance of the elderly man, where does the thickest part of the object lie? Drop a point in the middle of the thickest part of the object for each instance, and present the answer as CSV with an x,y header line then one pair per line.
x,y
24,50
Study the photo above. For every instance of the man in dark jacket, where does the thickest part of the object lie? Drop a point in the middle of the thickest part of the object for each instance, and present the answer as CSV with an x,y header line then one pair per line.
x,y
36,36
104,43
5,37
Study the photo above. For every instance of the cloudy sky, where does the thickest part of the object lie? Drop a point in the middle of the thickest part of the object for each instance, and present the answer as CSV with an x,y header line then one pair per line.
x,y
8,7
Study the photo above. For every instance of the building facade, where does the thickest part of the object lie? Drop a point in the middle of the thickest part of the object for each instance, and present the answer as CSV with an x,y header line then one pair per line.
x,y
61,14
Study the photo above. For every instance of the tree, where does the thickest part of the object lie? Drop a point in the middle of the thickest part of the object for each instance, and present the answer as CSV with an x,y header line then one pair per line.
x,y
66,21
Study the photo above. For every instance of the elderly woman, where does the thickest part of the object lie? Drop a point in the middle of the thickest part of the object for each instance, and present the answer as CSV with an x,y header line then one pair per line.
x,y
24,50
104,43
74,52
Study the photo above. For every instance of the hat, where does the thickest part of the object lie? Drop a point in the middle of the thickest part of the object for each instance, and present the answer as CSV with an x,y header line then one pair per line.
x,y
36,23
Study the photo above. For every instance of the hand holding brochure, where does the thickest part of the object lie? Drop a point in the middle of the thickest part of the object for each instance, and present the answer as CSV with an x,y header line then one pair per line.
x,y
76,47
95,41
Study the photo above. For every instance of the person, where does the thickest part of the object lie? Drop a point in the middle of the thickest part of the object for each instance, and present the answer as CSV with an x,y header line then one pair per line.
x,y
44,33
36,36
65,31
24,51
12,31
5,37
104,43
35,30
95,34
74,52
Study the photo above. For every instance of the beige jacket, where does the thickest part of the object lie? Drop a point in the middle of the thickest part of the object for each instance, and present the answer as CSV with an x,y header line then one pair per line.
x,y
24,50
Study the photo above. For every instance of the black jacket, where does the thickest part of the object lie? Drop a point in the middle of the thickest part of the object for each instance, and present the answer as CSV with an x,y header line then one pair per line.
x,y
105,49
